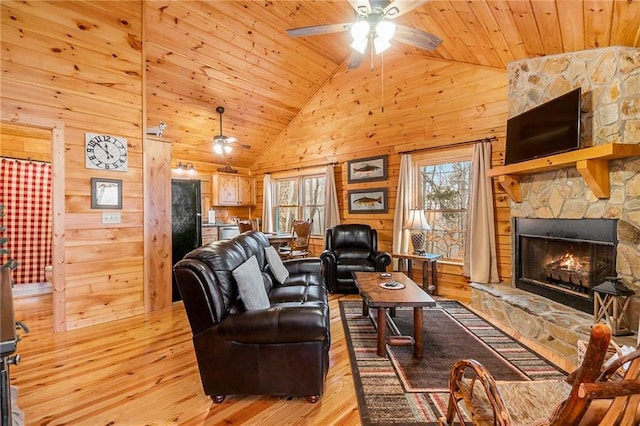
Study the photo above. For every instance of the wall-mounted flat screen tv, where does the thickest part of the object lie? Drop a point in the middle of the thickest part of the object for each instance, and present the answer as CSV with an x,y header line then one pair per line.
x,y
550,128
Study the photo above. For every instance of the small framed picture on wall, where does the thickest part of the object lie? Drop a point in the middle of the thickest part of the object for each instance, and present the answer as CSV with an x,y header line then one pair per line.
x,y
106,193
368,200
367,169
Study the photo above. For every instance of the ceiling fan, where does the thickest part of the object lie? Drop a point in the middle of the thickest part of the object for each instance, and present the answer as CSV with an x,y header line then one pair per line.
x,y
222,143
374,28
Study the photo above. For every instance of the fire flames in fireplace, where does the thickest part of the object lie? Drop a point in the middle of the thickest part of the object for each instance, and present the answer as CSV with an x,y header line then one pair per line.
x,y
570,271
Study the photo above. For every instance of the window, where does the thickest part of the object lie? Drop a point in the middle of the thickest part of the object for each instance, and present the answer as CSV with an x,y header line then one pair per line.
x,y
297,198
444,196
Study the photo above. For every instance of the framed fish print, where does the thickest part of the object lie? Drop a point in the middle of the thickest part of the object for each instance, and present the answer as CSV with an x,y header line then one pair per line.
x,y
367,169
368,200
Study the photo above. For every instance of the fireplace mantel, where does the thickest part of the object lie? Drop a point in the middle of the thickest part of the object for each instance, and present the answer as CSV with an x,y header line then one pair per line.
x,y
592,163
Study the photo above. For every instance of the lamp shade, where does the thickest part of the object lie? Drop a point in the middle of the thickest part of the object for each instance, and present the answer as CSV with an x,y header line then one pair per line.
x,y
417,221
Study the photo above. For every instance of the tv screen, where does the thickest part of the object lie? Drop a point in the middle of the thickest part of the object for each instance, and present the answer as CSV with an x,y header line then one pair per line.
x,y
550,128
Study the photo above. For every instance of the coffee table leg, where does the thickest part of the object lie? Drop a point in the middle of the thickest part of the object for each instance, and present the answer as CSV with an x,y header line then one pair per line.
x,y
382,331
365,308
418,346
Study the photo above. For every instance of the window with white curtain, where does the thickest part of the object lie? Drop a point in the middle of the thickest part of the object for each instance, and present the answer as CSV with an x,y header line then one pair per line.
x,y
300,198
444,187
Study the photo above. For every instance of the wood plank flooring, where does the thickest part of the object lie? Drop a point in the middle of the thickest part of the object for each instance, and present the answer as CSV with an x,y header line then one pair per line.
x,y
142,371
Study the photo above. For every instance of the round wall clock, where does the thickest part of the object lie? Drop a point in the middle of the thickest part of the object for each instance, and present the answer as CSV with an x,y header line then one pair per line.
x,y
105,152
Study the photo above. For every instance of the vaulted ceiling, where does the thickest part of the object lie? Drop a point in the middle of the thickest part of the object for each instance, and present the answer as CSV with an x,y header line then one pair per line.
x,y
237,54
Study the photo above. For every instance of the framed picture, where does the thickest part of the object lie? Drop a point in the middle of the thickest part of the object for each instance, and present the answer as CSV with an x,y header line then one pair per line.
x,y
367,169
106,193
368,200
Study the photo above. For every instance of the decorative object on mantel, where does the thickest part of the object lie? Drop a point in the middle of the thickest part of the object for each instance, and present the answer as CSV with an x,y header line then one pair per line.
x,y
611,302
417,224
373,30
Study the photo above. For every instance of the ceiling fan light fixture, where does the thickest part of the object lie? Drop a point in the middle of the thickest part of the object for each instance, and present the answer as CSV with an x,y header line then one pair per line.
x,y
385,30
360,30
227,148
360,45
380,45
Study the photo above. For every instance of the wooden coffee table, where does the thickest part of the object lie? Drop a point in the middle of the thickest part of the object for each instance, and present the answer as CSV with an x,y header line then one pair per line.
x,y
376,297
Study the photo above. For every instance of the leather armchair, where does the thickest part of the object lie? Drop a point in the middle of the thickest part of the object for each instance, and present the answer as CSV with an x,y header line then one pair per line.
x,y
351,248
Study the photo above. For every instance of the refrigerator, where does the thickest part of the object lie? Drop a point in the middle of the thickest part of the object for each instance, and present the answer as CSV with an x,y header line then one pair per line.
x,y
186,221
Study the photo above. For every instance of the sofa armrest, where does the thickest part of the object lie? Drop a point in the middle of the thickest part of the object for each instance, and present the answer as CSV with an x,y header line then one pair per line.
x,y
276,325
382,260
329,261
306,265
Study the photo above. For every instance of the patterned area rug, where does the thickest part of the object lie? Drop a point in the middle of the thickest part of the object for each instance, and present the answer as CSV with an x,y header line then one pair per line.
x,y
399,389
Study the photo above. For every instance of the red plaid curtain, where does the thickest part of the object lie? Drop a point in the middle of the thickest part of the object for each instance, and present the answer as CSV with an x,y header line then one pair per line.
x,y
26,196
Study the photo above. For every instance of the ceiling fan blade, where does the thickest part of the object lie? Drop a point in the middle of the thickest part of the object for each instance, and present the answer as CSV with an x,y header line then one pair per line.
x,y
355,60
230,139
416,37
362,7
400,7
318,29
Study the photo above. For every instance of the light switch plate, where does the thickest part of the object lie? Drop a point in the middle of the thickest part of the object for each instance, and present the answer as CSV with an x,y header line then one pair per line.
x,y
108,218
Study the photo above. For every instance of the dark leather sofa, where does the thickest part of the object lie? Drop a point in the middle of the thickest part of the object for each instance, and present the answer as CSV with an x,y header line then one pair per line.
x,y
281,350
351,248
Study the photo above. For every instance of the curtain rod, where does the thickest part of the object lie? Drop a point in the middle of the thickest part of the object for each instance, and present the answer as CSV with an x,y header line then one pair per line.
x,y
25,159
333,163
453,145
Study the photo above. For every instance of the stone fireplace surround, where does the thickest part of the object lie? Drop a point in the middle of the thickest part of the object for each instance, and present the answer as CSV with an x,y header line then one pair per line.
x,y
610,81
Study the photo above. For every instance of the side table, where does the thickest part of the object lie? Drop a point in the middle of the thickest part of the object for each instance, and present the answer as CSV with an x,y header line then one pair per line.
x,y
429,261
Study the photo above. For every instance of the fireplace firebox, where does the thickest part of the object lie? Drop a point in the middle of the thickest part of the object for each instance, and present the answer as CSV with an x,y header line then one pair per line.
x,y
563,259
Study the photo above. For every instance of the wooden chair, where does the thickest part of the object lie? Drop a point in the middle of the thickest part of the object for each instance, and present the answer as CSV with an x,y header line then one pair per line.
x,y
589,396
245,226
299,244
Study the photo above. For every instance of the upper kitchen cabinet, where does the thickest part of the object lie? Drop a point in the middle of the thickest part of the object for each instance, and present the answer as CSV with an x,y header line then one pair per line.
x,y
233,190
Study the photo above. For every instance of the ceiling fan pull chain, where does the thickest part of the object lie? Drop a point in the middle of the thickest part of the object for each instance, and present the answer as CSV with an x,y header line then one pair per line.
x,y
382,78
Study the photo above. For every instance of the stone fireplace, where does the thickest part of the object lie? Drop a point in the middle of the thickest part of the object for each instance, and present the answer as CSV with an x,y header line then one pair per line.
x,y
610,82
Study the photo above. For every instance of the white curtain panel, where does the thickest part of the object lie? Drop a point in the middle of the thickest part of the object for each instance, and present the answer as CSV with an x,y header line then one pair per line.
x,y
267,205
480,263
404,202
331,209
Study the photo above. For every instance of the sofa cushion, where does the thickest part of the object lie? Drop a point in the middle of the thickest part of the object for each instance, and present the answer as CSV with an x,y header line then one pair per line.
x,y
280,273
250,285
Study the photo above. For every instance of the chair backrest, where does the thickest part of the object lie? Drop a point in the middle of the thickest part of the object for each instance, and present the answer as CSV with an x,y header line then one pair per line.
x,y
245,226
301,233
352,236
615,400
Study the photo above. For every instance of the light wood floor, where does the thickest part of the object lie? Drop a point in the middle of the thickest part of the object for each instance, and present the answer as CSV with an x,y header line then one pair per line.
x,y
142,371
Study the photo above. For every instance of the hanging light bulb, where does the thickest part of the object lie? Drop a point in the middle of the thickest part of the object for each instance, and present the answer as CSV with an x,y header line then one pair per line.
x,y
360,30
217,148
385,30
360,45
380,44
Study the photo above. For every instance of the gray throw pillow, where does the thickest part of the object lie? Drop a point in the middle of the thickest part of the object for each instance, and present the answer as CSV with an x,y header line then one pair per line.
x,y
279,271
250,285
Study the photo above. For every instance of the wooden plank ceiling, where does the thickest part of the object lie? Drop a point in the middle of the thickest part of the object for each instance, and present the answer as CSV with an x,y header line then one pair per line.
x,y
237,54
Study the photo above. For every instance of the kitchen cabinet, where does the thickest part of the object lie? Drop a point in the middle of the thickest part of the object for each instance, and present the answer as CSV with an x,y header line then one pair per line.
x,y
233,190
209,234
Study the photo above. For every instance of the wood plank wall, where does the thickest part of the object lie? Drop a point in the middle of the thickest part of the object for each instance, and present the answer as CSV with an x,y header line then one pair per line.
x,y
427,103
80,64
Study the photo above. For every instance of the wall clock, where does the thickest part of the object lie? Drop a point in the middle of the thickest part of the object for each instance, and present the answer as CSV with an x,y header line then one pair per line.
x,y
105,152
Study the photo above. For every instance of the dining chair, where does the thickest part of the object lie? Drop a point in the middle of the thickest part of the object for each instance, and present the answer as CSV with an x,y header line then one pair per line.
x,y
299,244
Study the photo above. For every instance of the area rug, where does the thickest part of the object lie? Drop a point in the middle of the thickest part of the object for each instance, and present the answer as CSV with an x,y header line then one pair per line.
x,y
399,389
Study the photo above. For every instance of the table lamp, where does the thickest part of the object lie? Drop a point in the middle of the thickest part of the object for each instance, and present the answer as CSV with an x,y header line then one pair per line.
x,y
417,224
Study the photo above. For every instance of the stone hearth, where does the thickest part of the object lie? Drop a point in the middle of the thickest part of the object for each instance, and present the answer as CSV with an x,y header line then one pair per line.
x,y
538,319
